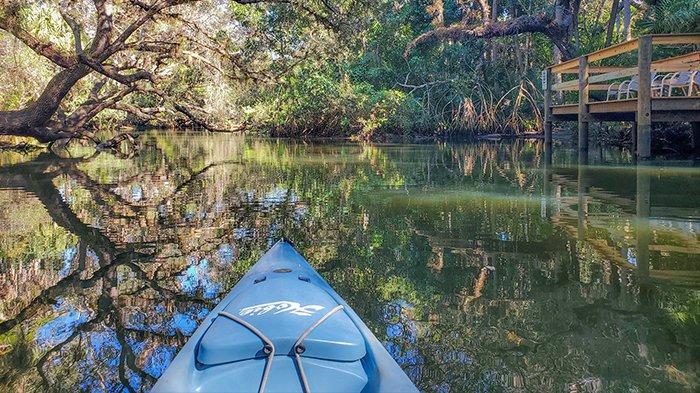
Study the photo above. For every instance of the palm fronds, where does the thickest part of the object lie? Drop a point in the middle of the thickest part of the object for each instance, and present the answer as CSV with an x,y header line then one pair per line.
x,y
672,16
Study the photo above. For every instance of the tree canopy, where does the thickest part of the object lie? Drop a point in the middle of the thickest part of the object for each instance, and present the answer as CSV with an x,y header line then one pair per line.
x,y
86,68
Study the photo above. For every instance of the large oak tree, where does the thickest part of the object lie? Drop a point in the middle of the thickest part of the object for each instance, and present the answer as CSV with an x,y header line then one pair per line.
x,y
127,46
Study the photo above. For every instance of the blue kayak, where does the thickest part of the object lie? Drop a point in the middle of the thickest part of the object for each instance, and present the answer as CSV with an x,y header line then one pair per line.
x,y
283,329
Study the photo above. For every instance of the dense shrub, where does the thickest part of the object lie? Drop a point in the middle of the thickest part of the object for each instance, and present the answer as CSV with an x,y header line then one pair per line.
x,y
313,103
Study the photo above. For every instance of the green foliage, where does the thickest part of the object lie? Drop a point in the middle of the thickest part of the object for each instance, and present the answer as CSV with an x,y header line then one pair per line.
x,y
320,102
672,16
390,110
36,240
365,88
338,68
15,361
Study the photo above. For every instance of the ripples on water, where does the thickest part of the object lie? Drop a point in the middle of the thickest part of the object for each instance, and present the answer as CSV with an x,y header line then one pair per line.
x,y
478,266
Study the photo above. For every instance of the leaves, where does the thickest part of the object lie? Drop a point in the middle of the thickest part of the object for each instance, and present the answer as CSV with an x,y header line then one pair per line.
x,y
672,16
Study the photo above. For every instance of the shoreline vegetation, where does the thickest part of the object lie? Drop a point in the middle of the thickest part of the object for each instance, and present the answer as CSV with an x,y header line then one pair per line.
x,y
97,71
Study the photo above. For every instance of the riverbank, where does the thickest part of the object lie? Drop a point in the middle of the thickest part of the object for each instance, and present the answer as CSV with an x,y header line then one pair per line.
x,y
673,141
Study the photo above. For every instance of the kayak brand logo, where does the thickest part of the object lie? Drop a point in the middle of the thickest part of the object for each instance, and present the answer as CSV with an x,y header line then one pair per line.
x,y
281,307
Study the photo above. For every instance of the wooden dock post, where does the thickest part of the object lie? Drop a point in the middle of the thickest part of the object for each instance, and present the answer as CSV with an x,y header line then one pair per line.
x,y
548,111
583,116
644,98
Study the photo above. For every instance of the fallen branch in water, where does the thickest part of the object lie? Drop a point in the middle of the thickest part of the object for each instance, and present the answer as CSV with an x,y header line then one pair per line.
x,y
22,147
116,141
198,121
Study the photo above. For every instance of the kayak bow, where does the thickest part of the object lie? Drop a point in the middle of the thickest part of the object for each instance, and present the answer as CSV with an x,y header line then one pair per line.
x,y
283,329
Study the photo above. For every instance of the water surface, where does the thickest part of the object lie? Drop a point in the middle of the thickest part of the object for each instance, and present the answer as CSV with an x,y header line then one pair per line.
x,y
479,266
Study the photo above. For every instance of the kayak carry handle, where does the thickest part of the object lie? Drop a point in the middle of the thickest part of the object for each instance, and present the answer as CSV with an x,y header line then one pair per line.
x,y
268,348
299,346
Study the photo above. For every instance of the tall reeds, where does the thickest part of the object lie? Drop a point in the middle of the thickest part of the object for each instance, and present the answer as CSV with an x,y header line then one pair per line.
x,y
514,112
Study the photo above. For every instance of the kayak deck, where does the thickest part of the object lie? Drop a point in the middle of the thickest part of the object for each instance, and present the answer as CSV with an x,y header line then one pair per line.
x,y
283,329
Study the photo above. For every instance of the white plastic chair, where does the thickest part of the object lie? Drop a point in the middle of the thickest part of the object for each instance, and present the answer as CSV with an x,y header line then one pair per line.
x,y
613,91
681,80
631,86
657,85
628,87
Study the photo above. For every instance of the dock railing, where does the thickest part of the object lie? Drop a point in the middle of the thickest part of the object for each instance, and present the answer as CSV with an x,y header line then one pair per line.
x,y
592,77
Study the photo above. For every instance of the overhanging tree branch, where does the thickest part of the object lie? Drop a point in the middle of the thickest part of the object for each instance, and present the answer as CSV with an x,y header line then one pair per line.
x,y
556,27
12,25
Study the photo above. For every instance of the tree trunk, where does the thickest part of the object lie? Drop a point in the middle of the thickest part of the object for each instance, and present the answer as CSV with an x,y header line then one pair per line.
x,y
575,9
627,15
599,12
494,16
556,52
556,78
611,22
34,120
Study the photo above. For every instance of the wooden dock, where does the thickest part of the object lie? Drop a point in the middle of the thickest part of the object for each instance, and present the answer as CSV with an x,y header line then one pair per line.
x,y
642,110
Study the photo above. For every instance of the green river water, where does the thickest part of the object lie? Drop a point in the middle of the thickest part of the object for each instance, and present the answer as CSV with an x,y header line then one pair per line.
x,y
480,267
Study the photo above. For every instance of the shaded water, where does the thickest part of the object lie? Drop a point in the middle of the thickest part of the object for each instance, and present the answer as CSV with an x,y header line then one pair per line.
x,y
479,267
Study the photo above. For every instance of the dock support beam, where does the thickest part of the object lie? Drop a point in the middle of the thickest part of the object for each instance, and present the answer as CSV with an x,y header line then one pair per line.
x,y
583,116
644,98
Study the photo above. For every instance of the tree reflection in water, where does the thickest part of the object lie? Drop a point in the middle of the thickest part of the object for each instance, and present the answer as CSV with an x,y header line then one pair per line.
x,y
481,267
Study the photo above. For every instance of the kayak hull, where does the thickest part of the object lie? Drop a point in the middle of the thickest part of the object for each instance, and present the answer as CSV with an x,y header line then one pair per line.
x,y
318,342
